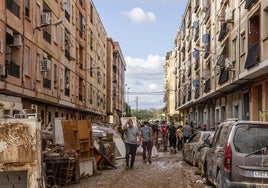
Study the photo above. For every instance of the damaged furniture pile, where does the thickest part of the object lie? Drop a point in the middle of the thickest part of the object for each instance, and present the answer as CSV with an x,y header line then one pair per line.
x,y
72,156
56,155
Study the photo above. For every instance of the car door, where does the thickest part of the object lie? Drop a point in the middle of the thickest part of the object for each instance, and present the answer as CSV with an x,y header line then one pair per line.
x,y
190,145
212,155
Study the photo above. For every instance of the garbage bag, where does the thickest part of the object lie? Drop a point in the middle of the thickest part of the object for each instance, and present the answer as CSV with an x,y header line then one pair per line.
x,y
154,152
139,150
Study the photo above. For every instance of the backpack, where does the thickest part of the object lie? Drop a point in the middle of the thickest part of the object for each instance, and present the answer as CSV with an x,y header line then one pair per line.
x,y
164,129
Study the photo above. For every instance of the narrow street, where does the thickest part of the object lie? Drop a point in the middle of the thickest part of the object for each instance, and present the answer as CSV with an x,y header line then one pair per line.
x,y
167,170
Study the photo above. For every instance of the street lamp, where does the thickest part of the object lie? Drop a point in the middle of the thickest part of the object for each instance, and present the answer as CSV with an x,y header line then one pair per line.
x,y
59,21
128,95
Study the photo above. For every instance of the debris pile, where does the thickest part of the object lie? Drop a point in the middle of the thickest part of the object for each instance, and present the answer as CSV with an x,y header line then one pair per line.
x,y
61,166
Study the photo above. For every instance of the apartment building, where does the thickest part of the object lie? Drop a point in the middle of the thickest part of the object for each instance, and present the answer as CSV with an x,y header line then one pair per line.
x,y
116,67
53,59
172,115
221,64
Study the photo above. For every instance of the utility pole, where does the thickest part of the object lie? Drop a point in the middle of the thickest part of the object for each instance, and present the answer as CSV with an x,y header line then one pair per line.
x,y
137,103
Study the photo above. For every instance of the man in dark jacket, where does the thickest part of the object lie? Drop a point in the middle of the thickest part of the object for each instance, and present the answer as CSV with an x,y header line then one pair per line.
x,y
172,138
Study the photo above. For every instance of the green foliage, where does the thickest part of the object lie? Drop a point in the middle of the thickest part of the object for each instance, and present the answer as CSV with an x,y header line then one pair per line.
x,y
145,114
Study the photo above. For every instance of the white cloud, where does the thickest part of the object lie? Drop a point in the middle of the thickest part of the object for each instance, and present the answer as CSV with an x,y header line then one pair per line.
x,y
137,15
144,78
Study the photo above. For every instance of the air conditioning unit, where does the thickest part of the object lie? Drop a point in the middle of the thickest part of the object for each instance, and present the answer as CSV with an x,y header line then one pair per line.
x,y
46,65
206,3
45,18
17,41
228,14
33,106
228,63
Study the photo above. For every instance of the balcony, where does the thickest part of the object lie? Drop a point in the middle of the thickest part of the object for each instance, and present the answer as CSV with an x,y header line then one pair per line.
x,y
253,55
249,3
196,94
13,69
13,7
197,64
223,76
223,32
46,83
207,86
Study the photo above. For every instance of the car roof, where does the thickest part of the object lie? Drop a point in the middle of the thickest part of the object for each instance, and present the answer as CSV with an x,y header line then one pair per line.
x,y
245,122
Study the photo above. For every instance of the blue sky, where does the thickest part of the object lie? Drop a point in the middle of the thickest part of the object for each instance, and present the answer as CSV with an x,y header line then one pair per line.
x,y
145,30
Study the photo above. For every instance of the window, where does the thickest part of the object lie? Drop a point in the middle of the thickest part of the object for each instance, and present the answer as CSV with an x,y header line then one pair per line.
x,y
265,23
243,43
27,65
234,49
27,8
14,7
38,67
61,38
91,14
91,94
251,138
55,75
67,9
245,110
55,34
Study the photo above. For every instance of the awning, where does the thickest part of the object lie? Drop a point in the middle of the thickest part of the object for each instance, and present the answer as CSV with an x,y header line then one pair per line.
x,y
207,86
221,57
253,54
223,31
249,3
223,76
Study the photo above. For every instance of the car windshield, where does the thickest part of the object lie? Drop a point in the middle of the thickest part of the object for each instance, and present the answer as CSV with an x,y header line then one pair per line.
x,y
205,136
248,139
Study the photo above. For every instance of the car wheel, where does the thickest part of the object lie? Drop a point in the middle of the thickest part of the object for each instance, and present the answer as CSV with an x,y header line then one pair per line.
x,y
194,161
219,180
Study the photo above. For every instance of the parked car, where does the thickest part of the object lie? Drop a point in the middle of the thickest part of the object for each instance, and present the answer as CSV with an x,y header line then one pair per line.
x,y
203,149
237,156
190,152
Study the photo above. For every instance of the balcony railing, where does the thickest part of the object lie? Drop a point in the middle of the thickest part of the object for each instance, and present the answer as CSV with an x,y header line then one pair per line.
x,y
13,7
13,69
46,83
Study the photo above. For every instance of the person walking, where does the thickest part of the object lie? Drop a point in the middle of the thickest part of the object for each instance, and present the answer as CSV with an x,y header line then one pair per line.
x,y
164,132
131,141
187,132
155,134
172,138
179,134
147,144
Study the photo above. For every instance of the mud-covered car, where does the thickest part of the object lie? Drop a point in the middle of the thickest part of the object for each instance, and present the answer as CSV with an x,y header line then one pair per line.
x,y
238,155
190,150
203,149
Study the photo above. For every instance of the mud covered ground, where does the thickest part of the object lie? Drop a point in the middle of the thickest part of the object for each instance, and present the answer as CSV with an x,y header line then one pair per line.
x,y
166,171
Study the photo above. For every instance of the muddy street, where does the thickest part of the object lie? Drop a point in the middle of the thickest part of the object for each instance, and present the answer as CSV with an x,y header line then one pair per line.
x,y
167,170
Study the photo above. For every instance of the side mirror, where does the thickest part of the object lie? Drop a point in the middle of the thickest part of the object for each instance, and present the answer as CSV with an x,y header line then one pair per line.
x,y
207,142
